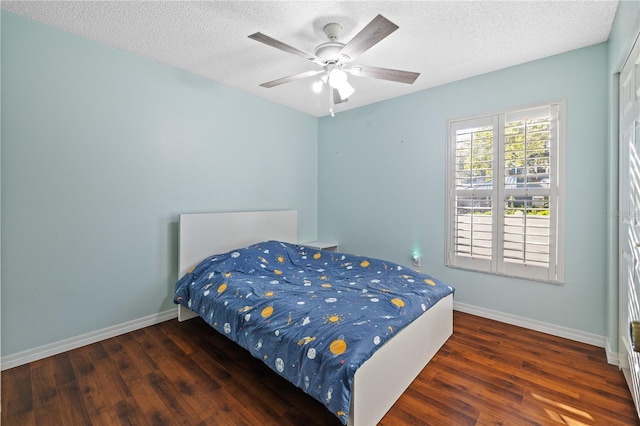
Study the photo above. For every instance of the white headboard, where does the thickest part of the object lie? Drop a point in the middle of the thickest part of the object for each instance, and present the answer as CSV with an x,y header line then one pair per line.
x,y
205,234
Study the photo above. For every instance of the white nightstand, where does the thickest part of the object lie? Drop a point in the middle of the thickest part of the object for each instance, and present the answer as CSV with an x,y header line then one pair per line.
x,y
321,245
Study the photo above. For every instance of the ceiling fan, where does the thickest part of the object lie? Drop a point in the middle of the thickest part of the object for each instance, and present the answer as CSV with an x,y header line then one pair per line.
x,y
334,56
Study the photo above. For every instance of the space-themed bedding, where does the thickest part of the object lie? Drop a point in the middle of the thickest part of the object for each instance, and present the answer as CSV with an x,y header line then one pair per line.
x,y
313,316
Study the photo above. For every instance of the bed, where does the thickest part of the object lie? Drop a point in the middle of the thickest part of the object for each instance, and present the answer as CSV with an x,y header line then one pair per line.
x,y
217,250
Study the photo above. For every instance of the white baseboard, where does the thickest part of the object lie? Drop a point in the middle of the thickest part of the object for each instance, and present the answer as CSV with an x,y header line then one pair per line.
x,y
612,357
55,348
554,330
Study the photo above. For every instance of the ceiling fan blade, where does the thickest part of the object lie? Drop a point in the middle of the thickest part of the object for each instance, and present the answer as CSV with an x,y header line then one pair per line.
x,y
374,32
291,78
336,97
399,76
285,47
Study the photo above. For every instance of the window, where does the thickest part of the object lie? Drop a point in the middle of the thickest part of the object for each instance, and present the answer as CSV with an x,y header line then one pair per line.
x,y
505,177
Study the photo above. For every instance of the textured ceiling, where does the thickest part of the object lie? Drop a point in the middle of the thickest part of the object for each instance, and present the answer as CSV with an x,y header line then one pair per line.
x,y
442,40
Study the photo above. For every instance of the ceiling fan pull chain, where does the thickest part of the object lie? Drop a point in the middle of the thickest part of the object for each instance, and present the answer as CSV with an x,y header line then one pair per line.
x,y
331,102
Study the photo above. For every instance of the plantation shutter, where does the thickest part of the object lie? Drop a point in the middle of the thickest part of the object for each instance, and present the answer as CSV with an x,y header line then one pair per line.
x,y
503,206
528,203
474,152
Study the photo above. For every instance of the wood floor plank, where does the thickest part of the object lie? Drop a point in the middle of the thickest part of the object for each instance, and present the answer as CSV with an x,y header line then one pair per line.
x,y
212,367
172,398
574,411
73,409
139,357
196,389
45,392
463,356
426,409
235,398
163,343
23,419
186,342
88,382
43,383
19,398
471,392
151,406
487,373
244,398
424,389
100,381
492,418
48,415
403,417
125,366
63,370
149,345
588,377
127,413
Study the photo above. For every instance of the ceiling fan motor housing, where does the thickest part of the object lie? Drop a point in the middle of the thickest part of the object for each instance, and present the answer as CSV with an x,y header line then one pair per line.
x,y
330,51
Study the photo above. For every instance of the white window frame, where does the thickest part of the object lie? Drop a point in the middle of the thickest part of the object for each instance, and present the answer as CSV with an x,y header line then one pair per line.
x,y
495,263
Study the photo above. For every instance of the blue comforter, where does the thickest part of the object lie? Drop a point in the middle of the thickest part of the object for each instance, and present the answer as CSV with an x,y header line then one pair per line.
x,y
313,316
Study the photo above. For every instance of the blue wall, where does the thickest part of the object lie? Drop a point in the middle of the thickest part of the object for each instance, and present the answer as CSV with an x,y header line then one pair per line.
x,y
101,150
382,183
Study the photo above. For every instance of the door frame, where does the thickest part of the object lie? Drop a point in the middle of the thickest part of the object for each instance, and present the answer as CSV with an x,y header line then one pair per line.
x,y
628,213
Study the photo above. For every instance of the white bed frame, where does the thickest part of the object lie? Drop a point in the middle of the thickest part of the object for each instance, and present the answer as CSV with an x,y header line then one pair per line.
x,y
381,380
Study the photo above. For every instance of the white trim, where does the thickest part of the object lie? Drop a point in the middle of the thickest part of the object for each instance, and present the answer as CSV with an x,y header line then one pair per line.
x,y
40,352
612,357
554,330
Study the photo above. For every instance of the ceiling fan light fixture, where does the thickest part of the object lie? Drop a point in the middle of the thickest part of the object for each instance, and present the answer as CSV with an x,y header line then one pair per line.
x,y
338,81
337,78
317,86
345,90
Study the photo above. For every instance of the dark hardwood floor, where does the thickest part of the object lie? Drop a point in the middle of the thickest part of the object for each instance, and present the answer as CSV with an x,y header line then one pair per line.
x,y
488,373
